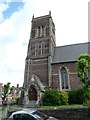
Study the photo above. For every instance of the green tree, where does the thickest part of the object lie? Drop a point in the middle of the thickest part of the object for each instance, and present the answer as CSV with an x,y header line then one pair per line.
x,y
82,67
7,90
83,64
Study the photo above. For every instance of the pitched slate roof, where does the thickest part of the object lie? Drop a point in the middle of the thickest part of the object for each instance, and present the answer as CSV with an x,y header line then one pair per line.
x,y
69,53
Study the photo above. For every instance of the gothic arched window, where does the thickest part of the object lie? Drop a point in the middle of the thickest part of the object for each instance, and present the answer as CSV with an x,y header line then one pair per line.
x,y
36,49
42,48
64,78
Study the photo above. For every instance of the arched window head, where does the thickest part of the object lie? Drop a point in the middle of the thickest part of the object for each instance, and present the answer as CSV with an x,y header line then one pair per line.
x,y
36,49
42,48
64,78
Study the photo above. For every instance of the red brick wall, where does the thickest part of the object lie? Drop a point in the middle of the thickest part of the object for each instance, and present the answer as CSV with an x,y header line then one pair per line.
x,y
72,71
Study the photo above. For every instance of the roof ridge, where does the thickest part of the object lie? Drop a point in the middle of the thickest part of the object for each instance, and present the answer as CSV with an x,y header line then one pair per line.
x,y
72,44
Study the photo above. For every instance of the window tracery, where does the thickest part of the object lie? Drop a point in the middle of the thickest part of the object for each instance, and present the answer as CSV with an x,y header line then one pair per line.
x,y
64,78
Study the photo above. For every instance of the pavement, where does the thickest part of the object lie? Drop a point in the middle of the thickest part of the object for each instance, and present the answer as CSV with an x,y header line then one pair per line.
x,y
14,109
2,118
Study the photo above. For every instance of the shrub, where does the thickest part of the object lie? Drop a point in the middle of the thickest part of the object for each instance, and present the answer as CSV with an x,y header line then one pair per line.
x,y
86,103
54,98
76,97
86,91
51,98
63,97
18,102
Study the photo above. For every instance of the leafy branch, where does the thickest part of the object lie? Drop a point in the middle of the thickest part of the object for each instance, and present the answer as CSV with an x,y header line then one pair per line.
x,y
7,90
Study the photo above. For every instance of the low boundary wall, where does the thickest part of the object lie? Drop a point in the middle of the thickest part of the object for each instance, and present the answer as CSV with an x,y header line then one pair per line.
x,y
69,114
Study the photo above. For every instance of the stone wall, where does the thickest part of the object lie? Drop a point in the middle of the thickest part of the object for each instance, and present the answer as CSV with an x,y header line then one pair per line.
x,y
69,114
71,67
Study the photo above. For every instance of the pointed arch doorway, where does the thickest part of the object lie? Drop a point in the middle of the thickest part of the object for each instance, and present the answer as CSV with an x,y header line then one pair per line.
x,y
32,93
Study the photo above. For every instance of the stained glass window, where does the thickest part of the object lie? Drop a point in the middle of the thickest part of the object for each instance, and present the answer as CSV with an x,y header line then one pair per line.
x,y
64,78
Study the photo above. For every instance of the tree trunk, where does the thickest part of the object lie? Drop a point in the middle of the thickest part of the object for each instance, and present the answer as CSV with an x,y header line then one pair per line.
x,y
5,108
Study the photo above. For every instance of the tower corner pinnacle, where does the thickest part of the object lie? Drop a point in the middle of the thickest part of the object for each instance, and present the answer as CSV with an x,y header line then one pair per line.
x,y
33,17
50,13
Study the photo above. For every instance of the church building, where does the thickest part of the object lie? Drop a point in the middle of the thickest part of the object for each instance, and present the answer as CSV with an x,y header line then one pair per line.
x,y
48,66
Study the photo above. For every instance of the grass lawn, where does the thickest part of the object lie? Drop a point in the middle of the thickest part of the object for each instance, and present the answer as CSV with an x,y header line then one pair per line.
x,y
0,111
16,107
62,107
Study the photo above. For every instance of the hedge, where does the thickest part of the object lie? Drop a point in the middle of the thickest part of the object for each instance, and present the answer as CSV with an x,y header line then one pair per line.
x,y
55,98
76,97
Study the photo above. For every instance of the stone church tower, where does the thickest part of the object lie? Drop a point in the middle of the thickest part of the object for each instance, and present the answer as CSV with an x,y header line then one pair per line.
x,y
38,71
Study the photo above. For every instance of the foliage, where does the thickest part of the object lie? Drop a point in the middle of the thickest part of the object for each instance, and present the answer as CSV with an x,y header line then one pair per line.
x,y
51,98
63,97
83,64
6,91
82,67
86,96
76,96
18,101
86,103
63,106
55,98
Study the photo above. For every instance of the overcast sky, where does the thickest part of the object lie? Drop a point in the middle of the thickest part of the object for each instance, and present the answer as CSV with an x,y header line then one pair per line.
x,y
71,23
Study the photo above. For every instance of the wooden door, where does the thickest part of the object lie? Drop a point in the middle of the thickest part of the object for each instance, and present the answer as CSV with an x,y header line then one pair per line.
x,y
32,93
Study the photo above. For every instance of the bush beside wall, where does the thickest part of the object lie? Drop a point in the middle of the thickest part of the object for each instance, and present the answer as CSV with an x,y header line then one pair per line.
x,y
76,97
51,98
63,97
55,98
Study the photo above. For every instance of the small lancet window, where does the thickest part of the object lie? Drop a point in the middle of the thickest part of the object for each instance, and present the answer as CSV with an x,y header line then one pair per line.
x,y
47,31
64,78
36,49
33,33
42,31
42,48
39,31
